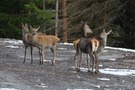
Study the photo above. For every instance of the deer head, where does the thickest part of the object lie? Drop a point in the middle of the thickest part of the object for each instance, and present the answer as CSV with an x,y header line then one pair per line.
x,y
34,30
104,34
25,29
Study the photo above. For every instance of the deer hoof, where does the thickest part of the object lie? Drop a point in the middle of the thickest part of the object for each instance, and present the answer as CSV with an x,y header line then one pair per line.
x,y
77,69
96,72
90,72
53,62
40,63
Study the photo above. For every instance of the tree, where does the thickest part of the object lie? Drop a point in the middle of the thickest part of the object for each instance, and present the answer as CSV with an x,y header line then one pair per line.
x,y
56,18
65,20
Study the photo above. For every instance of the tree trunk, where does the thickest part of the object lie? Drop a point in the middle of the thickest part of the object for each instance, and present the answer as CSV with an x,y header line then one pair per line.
x,y
64,21
44,10
56,18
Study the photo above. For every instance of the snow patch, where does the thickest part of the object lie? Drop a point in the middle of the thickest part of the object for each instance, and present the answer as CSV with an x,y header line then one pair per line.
x,y
62,48
10,46
119,72
66,43
47,60
104,79
112,59
97,86
42,85
14,42
122,49
8,89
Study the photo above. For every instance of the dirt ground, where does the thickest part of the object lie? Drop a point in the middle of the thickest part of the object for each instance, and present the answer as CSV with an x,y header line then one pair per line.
x,y
16,75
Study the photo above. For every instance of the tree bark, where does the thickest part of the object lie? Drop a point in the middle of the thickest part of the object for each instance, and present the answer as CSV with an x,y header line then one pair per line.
x,y
64,21
56,18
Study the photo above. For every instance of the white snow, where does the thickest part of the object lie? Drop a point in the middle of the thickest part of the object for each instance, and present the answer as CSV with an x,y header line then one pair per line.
x,y
47,60
62,48
104,79
112,59
8,89
122,49
119,72
10,46
66,43
14,42
42,85
97,86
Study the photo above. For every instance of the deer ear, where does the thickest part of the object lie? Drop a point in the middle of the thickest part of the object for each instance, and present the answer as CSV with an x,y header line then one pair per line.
x,y
37,28
82,22
103,30
85,22
109,32
30,27
26,24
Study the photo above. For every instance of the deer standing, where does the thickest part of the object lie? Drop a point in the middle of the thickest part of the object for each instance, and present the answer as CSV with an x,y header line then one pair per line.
x,y
27,40
85,31
42,42
93,47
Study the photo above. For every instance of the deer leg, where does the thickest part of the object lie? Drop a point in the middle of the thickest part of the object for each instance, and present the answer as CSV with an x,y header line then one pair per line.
x,y
80,63
25,54
88,63
92,61
40,56
96,64
31,54
75,62
54,54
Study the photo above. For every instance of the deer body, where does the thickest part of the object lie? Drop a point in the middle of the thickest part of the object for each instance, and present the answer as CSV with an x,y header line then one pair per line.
x,y
93,47
42,42
27,40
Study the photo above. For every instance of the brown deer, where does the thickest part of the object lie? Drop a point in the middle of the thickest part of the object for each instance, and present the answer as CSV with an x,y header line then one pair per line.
x,y
93,47
27,38
44,41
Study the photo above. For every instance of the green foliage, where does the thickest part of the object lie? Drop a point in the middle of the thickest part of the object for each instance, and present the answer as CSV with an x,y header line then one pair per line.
x,y
10,26
47,14
13,13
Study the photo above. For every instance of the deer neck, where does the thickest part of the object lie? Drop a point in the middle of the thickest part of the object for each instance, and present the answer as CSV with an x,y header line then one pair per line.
x,y
102,45
34,39
103,42
24,37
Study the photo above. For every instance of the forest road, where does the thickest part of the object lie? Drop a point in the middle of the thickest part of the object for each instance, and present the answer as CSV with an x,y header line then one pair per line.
x,y
117,69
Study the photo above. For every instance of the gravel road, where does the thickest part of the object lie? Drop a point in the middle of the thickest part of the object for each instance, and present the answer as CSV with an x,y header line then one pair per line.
x,y
117,69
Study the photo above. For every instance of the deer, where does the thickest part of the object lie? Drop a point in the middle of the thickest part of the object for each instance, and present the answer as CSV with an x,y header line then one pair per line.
x,y
27,41
44,41
92,46
85,31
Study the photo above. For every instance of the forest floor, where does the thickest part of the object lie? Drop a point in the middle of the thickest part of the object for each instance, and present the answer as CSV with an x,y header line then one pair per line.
x,y
117,69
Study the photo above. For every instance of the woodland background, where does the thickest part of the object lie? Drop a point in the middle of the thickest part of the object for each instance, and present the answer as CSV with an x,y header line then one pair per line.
x,y
115,15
